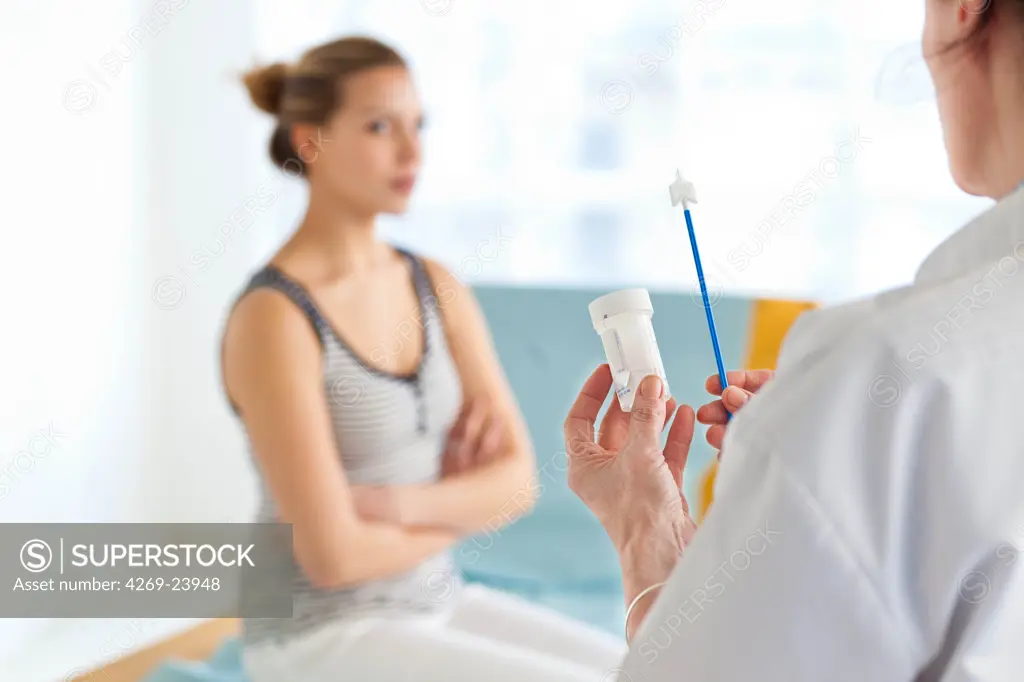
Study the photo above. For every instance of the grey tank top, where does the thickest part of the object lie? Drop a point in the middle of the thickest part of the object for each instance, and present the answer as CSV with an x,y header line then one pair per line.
x,y
389,429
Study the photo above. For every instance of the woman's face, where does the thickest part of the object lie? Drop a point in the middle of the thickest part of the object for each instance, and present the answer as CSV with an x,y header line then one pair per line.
x,y
367,155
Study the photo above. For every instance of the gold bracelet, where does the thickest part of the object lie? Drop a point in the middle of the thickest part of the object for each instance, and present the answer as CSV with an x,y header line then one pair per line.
x,y
636,600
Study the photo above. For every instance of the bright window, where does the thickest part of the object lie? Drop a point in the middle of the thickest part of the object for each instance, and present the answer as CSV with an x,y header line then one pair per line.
x,y
810,132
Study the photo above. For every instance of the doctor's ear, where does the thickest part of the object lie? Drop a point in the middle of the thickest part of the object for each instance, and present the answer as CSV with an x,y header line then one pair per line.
x,y
954,25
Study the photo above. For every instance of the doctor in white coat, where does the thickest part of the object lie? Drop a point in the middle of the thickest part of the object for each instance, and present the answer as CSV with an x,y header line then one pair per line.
x,y
869,509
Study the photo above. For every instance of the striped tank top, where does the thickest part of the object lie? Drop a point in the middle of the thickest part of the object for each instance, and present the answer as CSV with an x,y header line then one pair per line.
x,y
389,429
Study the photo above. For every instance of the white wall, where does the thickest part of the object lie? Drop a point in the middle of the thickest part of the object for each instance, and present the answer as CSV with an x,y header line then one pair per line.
x,y
206,170
72,241
72,418
126,150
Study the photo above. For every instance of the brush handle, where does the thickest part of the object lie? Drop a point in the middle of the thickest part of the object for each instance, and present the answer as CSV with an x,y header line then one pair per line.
x,y
707,304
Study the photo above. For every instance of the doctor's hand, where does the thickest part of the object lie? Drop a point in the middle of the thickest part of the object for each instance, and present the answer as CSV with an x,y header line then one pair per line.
x,y
627,480
742,385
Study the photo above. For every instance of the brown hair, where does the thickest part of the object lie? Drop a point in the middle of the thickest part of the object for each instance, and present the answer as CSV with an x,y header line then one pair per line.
x,y
310,90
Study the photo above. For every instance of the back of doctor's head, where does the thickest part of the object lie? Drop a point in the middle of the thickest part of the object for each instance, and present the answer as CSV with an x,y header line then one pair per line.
x,y
347,119
975,53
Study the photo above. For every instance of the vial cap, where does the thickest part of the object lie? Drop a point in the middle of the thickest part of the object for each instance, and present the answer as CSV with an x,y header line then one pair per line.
x,y
624,301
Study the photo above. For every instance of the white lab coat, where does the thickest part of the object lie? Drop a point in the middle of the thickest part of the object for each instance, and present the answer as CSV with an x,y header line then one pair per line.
x,y
869,508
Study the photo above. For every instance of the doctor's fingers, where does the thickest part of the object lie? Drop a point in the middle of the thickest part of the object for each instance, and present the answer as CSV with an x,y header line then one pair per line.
x,y
715,436
614,429
677,445
717,411
648,414
750,380
578,428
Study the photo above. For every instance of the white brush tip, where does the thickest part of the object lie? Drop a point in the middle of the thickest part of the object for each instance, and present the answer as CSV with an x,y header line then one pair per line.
x,y
682,191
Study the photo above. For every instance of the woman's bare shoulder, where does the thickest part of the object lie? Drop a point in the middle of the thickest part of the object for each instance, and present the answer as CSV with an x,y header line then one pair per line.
x,y
266,336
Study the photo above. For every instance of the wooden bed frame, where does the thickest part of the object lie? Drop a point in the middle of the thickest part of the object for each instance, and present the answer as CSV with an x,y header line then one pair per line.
x,y
194,645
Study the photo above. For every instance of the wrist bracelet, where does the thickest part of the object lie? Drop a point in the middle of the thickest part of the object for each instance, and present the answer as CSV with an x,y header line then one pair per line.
x,y
636,600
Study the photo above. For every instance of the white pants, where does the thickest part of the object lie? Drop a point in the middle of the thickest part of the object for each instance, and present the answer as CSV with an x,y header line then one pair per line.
x,y
488,636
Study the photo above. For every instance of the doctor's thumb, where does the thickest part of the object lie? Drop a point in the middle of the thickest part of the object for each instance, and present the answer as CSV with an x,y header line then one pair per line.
x,y
647,416
734,398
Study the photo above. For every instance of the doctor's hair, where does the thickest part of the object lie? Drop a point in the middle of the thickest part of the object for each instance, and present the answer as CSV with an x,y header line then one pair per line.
x,y
311,89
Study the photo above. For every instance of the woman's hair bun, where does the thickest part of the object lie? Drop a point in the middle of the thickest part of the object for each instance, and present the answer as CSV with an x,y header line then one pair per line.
x,y
266,85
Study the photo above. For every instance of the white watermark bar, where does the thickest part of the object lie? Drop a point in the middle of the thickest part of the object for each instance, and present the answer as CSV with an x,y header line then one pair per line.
x,y
152,570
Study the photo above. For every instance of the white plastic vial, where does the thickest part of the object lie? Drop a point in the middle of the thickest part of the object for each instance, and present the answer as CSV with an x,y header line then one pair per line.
x,y
623,319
